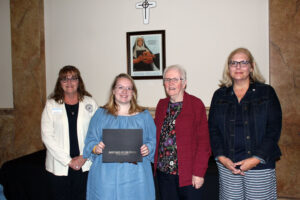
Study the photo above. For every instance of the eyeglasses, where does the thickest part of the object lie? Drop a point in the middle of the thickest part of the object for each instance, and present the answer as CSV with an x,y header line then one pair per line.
x,y
173,80
121,88
243,63
72,79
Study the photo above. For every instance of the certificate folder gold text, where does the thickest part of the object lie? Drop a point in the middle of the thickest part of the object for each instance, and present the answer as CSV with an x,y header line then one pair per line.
x,y
122,145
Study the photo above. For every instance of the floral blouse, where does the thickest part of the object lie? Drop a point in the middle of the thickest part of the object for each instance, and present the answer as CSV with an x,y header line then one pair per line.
x,y
167,152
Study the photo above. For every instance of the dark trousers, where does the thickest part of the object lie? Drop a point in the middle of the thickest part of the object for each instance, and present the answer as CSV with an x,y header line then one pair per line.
x,y
168,186
71,187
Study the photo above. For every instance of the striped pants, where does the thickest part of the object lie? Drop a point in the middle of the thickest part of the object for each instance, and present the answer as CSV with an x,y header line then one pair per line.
x,y
255,185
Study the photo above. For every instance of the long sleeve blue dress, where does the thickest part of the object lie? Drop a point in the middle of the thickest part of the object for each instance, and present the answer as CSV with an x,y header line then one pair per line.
x,y
120,181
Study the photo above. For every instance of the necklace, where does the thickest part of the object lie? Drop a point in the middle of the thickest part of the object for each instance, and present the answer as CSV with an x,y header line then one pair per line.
x,y
72,109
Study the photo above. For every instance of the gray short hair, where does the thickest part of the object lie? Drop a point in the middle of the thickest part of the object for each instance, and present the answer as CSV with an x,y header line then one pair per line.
x,y
179,68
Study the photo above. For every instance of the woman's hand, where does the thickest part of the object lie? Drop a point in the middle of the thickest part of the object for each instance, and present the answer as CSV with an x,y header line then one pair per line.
x,y
144,150
98,149
247,164
77,162
197,181
138,59
229,164
147,57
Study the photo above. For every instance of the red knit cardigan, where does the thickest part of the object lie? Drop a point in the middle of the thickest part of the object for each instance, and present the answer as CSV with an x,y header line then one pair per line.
x,y
192,138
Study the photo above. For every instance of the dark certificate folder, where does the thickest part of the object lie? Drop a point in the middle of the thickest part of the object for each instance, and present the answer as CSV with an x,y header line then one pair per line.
x,y
122,145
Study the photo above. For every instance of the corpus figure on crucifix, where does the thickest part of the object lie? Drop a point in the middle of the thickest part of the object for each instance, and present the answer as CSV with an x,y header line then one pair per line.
x,y
146,5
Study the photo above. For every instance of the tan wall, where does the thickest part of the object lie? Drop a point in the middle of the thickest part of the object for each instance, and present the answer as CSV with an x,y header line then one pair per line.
x,y
7,130
199,36
285,78
20,127
6,99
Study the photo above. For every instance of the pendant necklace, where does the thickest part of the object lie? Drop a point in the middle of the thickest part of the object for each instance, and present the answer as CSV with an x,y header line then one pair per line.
x,y
72,110
172,117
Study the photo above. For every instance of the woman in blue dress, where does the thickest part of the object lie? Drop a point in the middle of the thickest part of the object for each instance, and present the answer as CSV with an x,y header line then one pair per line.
x,y
116,181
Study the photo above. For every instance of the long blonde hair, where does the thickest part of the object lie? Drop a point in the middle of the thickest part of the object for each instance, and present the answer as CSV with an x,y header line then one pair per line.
x,y
112,107
255,75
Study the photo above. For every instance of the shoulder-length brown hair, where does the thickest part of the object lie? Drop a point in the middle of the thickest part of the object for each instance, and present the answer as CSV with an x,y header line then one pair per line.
x,y
112,107
58,93
255,75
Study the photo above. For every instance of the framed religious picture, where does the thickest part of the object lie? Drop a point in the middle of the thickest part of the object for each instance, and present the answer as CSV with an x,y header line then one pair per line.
x,y
146,54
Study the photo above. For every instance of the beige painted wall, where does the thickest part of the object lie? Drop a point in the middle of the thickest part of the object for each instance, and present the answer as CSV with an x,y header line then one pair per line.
x,y
199,35
20,134
6,97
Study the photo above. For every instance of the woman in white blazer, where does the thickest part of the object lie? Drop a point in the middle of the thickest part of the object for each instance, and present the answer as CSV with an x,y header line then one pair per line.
x,y
65,122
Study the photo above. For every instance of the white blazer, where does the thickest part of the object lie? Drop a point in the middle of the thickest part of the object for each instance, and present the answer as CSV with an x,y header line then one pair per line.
x,y
55,134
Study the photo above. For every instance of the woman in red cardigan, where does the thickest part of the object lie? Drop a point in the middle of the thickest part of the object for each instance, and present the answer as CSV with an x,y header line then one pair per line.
x,y
182,147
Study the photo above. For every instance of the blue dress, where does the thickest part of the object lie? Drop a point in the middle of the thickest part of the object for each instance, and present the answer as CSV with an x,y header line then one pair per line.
x,y
120,181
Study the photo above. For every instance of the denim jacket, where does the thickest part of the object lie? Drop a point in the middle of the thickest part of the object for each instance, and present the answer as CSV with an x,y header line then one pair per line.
x,y
261,113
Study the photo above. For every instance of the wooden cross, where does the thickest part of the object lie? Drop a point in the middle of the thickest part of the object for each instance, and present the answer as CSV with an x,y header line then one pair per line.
x,y
146,5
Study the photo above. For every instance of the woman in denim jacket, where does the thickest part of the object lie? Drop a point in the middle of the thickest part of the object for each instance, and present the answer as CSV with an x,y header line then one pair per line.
x,y
245,124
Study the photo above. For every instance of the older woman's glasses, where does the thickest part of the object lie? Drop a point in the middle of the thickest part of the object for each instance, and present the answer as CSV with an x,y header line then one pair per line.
x,y
173,80
235,64
66,79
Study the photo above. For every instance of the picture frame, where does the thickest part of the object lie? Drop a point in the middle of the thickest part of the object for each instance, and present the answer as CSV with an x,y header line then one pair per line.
x,y
146,54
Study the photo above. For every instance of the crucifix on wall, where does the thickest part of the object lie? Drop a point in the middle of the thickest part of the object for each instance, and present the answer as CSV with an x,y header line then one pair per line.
x,y
146,5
